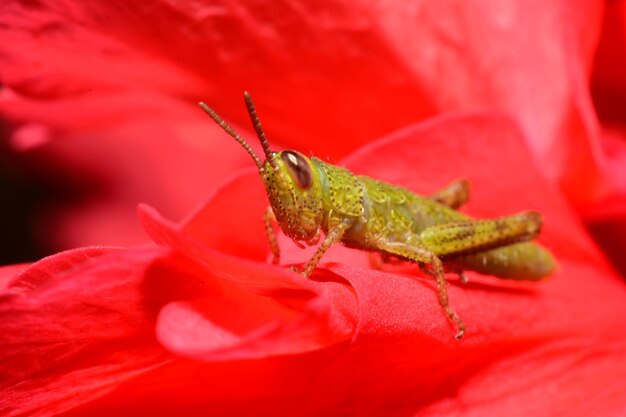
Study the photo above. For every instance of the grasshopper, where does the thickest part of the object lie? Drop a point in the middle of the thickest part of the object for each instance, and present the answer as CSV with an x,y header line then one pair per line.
x,y
309,197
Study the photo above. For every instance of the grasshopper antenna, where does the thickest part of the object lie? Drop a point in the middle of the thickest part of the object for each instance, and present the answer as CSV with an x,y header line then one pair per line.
x,y
222,123
254,117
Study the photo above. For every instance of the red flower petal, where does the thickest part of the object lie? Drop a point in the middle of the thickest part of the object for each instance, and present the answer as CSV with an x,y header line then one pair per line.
x,y
72,327
523,343
259,310
276,386
9,272
607,219
608,81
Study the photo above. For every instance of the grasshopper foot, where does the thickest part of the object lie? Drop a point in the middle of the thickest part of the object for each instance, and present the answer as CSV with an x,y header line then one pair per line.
x,y
297,270
459,335
461,326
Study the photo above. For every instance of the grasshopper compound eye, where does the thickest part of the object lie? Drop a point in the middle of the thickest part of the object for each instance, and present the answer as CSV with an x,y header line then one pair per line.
x,y
298,168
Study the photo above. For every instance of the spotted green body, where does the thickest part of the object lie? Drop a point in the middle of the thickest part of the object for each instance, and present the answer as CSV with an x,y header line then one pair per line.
x,y
309,197
382,212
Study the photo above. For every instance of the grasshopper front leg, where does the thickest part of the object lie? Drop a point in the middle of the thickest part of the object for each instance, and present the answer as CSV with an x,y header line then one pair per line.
x,y
268,220
333,236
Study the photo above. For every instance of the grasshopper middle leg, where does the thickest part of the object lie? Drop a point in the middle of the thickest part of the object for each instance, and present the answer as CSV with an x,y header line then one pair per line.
x,y
454,195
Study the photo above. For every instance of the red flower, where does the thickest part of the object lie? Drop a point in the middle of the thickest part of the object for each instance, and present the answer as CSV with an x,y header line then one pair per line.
x,y
202,325
111,90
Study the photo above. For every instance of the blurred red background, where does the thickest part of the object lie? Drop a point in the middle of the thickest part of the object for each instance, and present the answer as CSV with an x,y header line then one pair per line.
x,y
98,112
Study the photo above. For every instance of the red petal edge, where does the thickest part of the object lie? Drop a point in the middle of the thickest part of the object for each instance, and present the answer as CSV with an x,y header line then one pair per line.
x,y
72,327
260,310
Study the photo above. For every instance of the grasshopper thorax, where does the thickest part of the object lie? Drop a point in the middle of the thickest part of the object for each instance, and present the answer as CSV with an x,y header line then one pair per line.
x,y
294,190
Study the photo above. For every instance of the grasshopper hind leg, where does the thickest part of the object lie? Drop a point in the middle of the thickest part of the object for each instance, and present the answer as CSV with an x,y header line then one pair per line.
x,y
456,238
422,255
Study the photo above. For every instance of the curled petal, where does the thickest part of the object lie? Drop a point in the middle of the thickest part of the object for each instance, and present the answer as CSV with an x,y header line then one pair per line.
x,y
259,311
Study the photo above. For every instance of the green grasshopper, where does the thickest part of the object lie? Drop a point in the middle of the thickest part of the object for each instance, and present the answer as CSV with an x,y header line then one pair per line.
x,y
308,196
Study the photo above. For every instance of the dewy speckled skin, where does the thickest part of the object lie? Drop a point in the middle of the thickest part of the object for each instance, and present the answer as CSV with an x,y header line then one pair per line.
x,y
309,196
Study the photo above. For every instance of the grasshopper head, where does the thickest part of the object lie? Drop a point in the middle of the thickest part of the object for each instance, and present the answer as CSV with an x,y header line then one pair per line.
x,y
295,193
292,183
